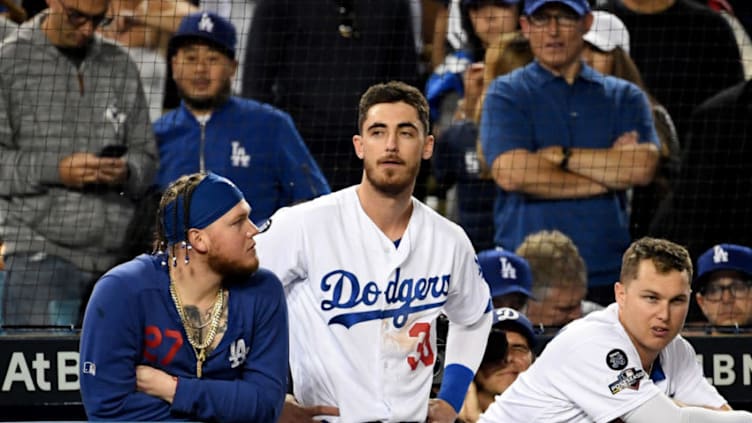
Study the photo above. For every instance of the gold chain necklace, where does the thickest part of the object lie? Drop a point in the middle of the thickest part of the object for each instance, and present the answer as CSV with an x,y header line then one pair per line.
x,y
200,349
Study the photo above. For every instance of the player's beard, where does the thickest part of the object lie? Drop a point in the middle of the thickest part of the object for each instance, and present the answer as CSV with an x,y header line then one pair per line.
x,y
203,104
230,268
391,181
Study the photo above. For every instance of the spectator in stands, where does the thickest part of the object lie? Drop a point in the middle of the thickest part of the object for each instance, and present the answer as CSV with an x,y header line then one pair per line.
x,y
144,39
483,22
559,279
196,332
69,100
712,197
254,145
509,277
678,45
456,162
314,58
724,286
607,51
564,143
509,352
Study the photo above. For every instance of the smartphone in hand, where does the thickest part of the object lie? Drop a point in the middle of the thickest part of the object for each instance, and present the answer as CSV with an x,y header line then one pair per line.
x,y
115,150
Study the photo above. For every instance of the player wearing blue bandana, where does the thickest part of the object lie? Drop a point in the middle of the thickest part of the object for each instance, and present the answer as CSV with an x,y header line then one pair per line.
x,y
196,332
367,271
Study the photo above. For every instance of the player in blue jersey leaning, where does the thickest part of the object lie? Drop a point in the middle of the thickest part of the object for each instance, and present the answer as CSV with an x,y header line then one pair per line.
x,y
195,331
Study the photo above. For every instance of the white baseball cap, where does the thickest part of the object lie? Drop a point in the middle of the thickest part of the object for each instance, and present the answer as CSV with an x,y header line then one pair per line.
x,y
607,32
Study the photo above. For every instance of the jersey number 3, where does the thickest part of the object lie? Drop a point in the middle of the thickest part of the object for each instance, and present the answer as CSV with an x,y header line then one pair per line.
x,y
424,352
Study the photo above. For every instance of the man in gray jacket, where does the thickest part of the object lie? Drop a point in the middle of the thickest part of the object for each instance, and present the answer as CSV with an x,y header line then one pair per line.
x,y
76,151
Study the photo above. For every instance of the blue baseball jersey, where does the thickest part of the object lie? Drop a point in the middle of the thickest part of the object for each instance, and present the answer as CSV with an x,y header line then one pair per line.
x,y
132,320
254,145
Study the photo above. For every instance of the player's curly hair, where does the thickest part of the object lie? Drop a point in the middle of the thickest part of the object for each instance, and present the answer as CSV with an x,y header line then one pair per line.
x,y
665,255
393,92
184,187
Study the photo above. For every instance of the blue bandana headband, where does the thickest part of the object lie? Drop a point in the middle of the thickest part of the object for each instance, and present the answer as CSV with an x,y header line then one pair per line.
x,y
211,199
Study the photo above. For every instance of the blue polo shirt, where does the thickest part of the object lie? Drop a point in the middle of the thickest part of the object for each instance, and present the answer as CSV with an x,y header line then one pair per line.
x,y
530,109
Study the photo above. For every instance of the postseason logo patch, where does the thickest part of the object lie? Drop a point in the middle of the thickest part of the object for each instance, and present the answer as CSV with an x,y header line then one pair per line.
x,y
627,379
616,359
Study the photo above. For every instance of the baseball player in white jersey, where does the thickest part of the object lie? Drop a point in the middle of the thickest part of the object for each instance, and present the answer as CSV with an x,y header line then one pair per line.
x,y
367,271
625,363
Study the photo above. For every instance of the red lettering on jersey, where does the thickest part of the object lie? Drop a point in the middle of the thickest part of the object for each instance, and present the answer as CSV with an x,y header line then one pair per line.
x,y
153,340
422,331
178,337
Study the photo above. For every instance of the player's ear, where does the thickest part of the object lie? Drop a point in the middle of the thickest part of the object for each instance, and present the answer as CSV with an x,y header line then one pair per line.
x,y
620,293
428,147
358,144
199,240
525,27
700,300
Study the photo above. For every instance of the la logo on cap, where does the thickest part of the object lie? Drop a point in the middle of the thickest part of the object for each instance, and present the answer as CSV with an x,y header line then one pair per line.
x,y
719,255
507,269
205,24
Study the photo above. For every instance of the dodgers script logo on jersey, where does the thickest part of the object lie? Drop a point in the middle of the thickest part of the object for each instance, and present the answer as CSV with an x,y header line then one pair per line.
x,y
345,293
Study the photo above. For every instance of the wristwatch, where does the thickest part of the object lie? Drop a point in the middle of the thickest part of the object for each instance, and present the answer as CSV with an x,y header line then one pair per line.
x,y
566,153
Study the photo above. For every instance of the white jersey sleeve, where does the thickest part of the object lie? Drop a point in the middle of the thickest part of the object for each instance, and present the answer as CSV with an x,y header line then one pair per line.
x,y
469,295
590,372
280,249
684,380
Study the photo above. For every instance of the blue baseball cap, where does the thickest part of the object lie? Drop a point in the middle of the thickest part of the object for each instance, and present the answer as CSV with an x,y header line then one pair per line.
x,y
581,7
506,272
723,257
208,27
506,320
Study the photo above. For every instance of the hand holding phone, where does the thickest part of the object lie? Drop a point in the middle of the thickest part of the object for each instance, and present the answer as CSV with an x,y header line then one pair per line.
x,y
114,150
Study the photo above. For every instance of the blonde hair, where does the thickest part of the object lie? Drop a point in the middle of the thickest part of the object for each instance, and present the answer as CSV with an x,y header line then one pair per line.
x,y
554,260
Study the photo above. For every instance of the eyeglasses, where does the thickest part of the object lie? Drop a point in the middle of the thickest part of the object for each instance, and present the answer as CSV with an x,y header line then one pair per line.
x,y
79,19
737,289
347,26
562,19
